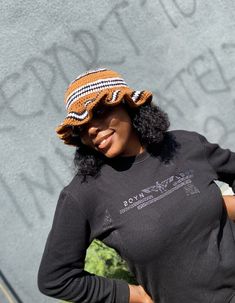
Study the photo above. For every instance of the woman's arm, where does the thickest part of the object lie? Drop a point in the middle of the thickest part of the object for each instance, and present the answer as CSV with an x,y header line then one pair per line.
x,y
61,274
229,201
221,160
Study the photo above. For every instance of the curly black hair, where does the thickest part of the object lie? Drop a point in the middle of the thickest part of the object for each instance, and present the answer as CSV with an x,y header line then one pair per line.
x,y
150,124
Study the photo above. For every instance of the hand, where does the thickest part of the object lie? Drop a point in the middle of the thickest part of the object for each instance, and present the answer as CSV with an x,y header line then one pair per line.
x,y
229,201
139,295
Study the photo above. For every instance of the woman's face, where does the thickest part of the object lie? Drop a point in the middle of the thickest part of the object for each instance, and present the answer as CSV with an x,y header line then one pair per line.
x,y
111,133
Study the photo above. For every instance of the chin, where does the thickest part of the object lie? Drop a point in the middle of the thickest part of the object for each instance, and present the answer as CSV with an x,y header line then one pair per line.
x,y
112,153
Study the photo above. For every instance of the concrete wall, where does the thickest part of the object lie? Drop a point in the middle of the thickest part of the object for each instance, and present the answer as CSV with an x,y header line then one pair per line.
x,y
182,50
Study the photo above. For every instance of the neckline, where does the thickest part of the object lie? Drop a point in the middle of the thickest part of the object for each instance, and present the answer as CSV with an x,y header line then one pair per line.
x,y
123,163
140,157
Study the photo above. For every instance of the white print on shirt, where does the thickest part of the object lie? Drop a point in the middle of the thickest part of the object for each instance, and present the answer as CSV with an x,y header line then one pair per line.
x,y
163,188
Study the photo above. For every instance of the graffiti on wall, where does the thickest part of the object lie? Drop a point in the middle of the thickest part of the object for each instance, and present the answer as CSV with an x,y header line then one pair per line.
x,y
205,71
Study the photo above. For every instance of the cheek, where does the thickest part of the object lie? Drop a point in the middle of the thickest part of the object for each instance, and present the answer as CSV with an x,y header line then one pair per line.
x,y
119,123
123,128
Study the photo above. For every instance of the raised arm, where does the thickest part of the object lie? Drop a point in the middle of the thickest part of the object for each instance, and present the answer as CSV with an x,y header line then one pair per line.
x,y
221,160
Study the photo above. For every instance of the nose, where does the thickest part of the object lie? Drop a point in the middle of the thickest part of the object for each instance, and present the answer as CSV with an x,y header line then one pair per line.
x,y
94,127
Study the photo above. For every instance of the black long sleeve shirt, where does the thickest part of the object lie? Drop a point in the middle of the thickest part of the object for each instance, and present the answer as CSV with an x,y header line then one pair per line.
x,y
166,219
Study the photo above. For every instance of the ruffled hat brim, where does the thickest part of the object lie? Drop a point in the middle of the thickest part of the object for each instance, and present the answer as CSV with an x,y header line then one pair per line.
x,y
80,116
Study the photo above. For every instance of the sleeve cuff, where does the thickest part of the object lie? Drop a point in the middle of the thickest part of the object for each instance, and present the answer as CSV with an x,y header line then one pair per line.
x,y
122,292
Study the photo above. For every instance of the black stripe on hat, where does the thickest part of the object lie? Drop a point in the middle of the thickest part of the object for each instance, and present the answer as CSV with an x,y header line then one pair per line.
x,y
76,116
136,95
93,87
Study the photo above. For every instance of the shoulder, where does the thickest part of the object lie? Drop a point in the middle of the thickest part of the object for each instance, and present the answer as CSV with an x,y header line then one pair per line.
x,y
187,141
182,135
81,193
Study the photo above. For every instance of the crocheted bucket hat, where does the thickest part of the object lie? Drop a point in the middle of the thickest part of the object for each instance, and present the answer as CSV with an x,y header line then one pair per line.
x,y
88,90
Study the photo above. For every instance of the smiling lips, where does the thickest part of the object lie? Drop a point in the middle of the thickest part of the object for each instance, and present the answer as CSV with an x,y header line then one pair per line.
x,y
104,140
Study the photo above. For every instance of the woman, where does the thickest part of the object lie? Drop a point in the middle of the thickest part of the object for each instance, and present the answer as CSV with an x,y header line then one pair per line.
x,y
145,191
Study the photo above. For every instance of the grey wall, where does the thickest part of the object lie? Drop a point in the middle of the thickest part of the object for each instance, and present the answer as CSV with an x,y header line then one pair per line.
x,y
182,50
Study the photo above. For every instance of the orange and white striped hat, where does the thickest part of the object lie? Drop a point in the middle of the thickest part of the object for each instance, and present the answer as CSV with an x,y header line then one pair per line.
x,y
87,90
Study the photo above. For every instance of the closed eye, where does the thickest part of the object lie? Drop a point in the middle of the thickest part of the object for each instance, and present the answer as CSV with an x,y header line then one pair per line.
x,y
100,111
